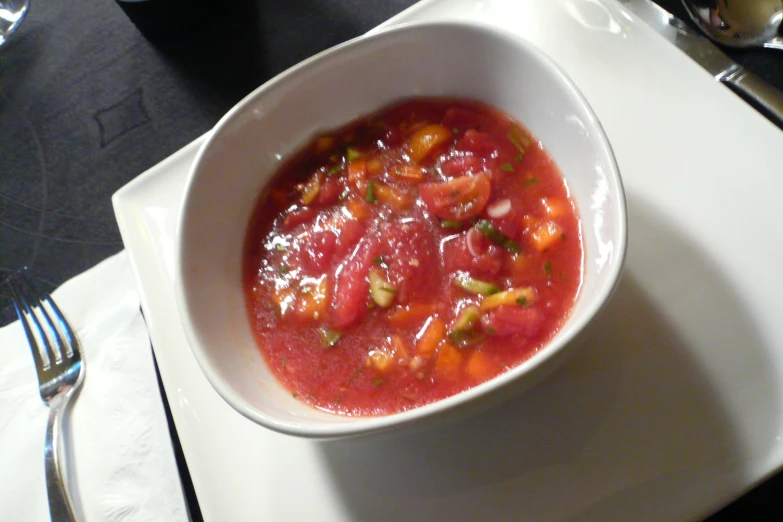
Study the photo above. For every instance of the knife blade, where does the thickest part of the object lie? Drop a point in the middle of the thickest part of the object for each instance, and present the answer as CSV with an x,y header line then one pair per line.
x,y
709,56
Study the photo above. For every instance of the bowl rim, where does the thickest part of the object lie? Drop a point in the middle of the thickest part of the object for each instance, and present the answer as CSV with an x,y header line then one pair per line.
x,y
548,354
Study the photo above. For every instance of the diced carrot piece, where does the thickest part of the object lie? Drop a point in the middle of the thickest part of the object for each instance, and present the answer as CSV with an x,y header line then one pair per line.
x,y
409,173
545,235
412,314
400,349
431,338
324,144
391,196
425,139
310,189
519,265
447,365
358,209
374,166
554,207
357,175
480,366
381,359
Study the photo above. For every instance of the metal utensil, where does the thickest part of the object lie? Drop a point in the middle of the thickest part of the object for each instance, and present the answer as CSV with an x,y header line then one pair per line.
x,y
709,56
12,13
749,23
60,367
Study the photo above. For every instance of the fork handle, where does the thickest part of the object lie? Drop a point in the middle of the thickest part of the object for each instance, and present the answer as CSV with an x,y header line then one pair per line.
x,y
60,505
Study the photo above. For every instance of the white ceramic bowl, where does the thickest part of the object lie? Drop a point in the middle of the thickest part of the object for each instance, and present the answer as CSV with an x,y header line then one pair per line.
x,y
332,88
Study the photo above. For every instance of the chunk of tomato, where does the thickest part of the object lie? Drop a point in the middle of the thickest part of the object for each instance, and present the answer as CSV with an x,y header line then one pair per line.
x,y
459,198
486,260
512,319
351,289
479,143
461,165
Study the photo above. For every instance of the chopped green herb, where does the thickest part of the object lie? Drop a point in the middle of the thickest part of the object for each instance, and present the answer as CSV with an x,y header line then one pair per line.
x,y
450,223
334,170
284,269
329,337
496,236
376,382
455,130
548,269
352,154
508,167
522,301
490,330
518,158
370,192
531,181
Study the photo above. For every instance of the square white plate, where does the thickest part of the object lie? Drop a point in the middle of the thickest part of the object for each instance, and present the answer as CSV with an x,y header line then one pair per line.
x,y
671,409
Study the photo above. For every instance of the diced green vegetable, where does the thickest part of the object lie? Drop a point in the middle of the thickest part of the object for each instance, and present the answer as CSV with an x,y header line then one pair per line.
x,y
517,138
507,167
329,337
376,382
462,339
381,291
531,181
450,223
548,269
518,158
371,193
496,236
467,319
334,170
455,130
464,332
475,286
516,296
352,154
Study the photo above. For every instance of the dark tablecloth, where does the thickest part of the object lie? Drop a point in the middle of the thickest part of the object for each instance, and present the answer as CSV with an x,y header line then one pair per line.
x,y
87,102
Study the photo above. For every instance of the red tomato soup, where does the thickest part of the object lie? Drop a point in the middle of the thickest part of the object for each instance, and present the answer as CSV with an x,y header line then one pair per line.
x,y
410,255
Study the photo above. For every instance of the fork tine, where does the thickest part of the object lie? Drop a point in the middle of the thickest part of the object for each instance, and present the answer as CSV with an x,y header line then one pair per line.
x,y
42,296
24,312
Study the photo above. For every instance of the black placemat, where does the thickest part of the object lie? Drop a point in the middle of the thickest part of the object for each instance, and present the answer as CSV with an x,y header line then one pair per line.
x,y
87,102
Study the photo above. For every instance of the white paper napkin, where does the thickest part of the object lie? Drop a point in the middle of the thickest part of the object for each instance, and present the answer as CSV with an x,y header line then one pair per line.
x,y
121,462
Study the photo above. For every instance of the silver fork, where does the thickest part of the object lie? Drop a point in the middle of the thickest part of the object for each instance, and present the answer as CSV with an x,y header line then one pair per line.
x,y
60,366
